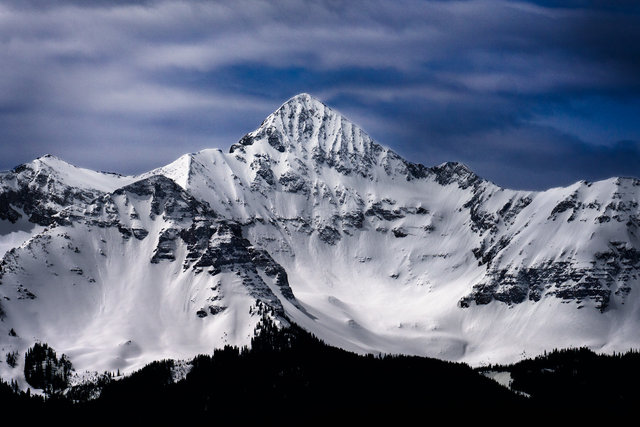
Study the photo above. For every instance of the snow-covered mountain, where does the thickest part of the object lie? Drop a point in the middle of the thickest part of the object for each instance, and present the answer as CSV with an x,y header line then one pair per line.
x,y
310,217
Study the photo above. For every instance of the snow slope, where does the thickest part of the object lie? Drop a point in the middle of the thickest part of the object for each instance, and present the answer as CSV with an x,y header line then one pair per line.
x,y
310,216
395,257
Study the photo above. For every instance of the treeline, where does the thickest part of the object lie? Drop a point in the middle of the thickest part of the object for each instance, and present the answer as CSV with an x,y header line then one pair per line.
x,y
579,378
289,376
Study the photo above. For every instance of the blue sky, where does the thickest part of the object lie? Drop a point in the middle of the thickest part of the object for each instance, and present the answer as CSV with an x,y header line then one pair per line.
x,y
528,94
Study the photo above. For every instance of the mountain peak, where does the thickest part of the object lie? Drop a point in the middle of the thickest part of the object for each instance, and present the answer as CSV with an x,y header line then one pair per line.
x,y
300,120
303,99
321,137
51,160
302,106
49,168
293,124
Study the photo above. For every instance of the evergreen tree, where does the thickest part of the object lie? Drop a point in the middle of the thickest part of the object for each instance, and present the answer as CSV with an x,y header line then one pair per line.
x,y
43,369
12,358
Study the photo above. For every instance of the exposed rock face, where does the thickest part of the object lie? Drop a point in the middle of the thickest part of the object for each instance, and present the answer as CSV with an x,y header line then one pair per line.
x,y
574,276
211,244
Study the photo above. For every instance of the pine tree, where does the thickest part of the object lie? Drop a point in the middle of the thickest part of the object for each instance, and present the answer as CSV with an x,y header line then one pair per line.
x,y
12,358
42,369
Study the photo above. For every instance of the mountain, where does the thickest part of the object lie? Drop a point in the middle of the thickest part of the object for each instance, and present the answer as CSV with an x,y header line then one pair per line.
x,y
311,220
141,273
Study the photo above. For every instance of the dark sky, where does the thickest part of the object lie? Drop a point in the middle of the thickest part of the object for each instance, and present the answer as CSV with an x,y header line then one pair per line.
x,y
529,94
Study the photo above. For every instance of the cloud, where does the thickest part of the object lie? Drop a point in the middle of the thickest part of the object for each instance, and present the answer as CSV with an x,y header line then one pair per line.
x,y
478,81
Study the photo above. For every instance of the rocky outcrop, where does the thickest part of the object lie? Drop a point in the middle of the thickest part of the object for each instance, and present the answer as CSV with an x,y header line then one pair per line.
x,y
610,272
35,190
